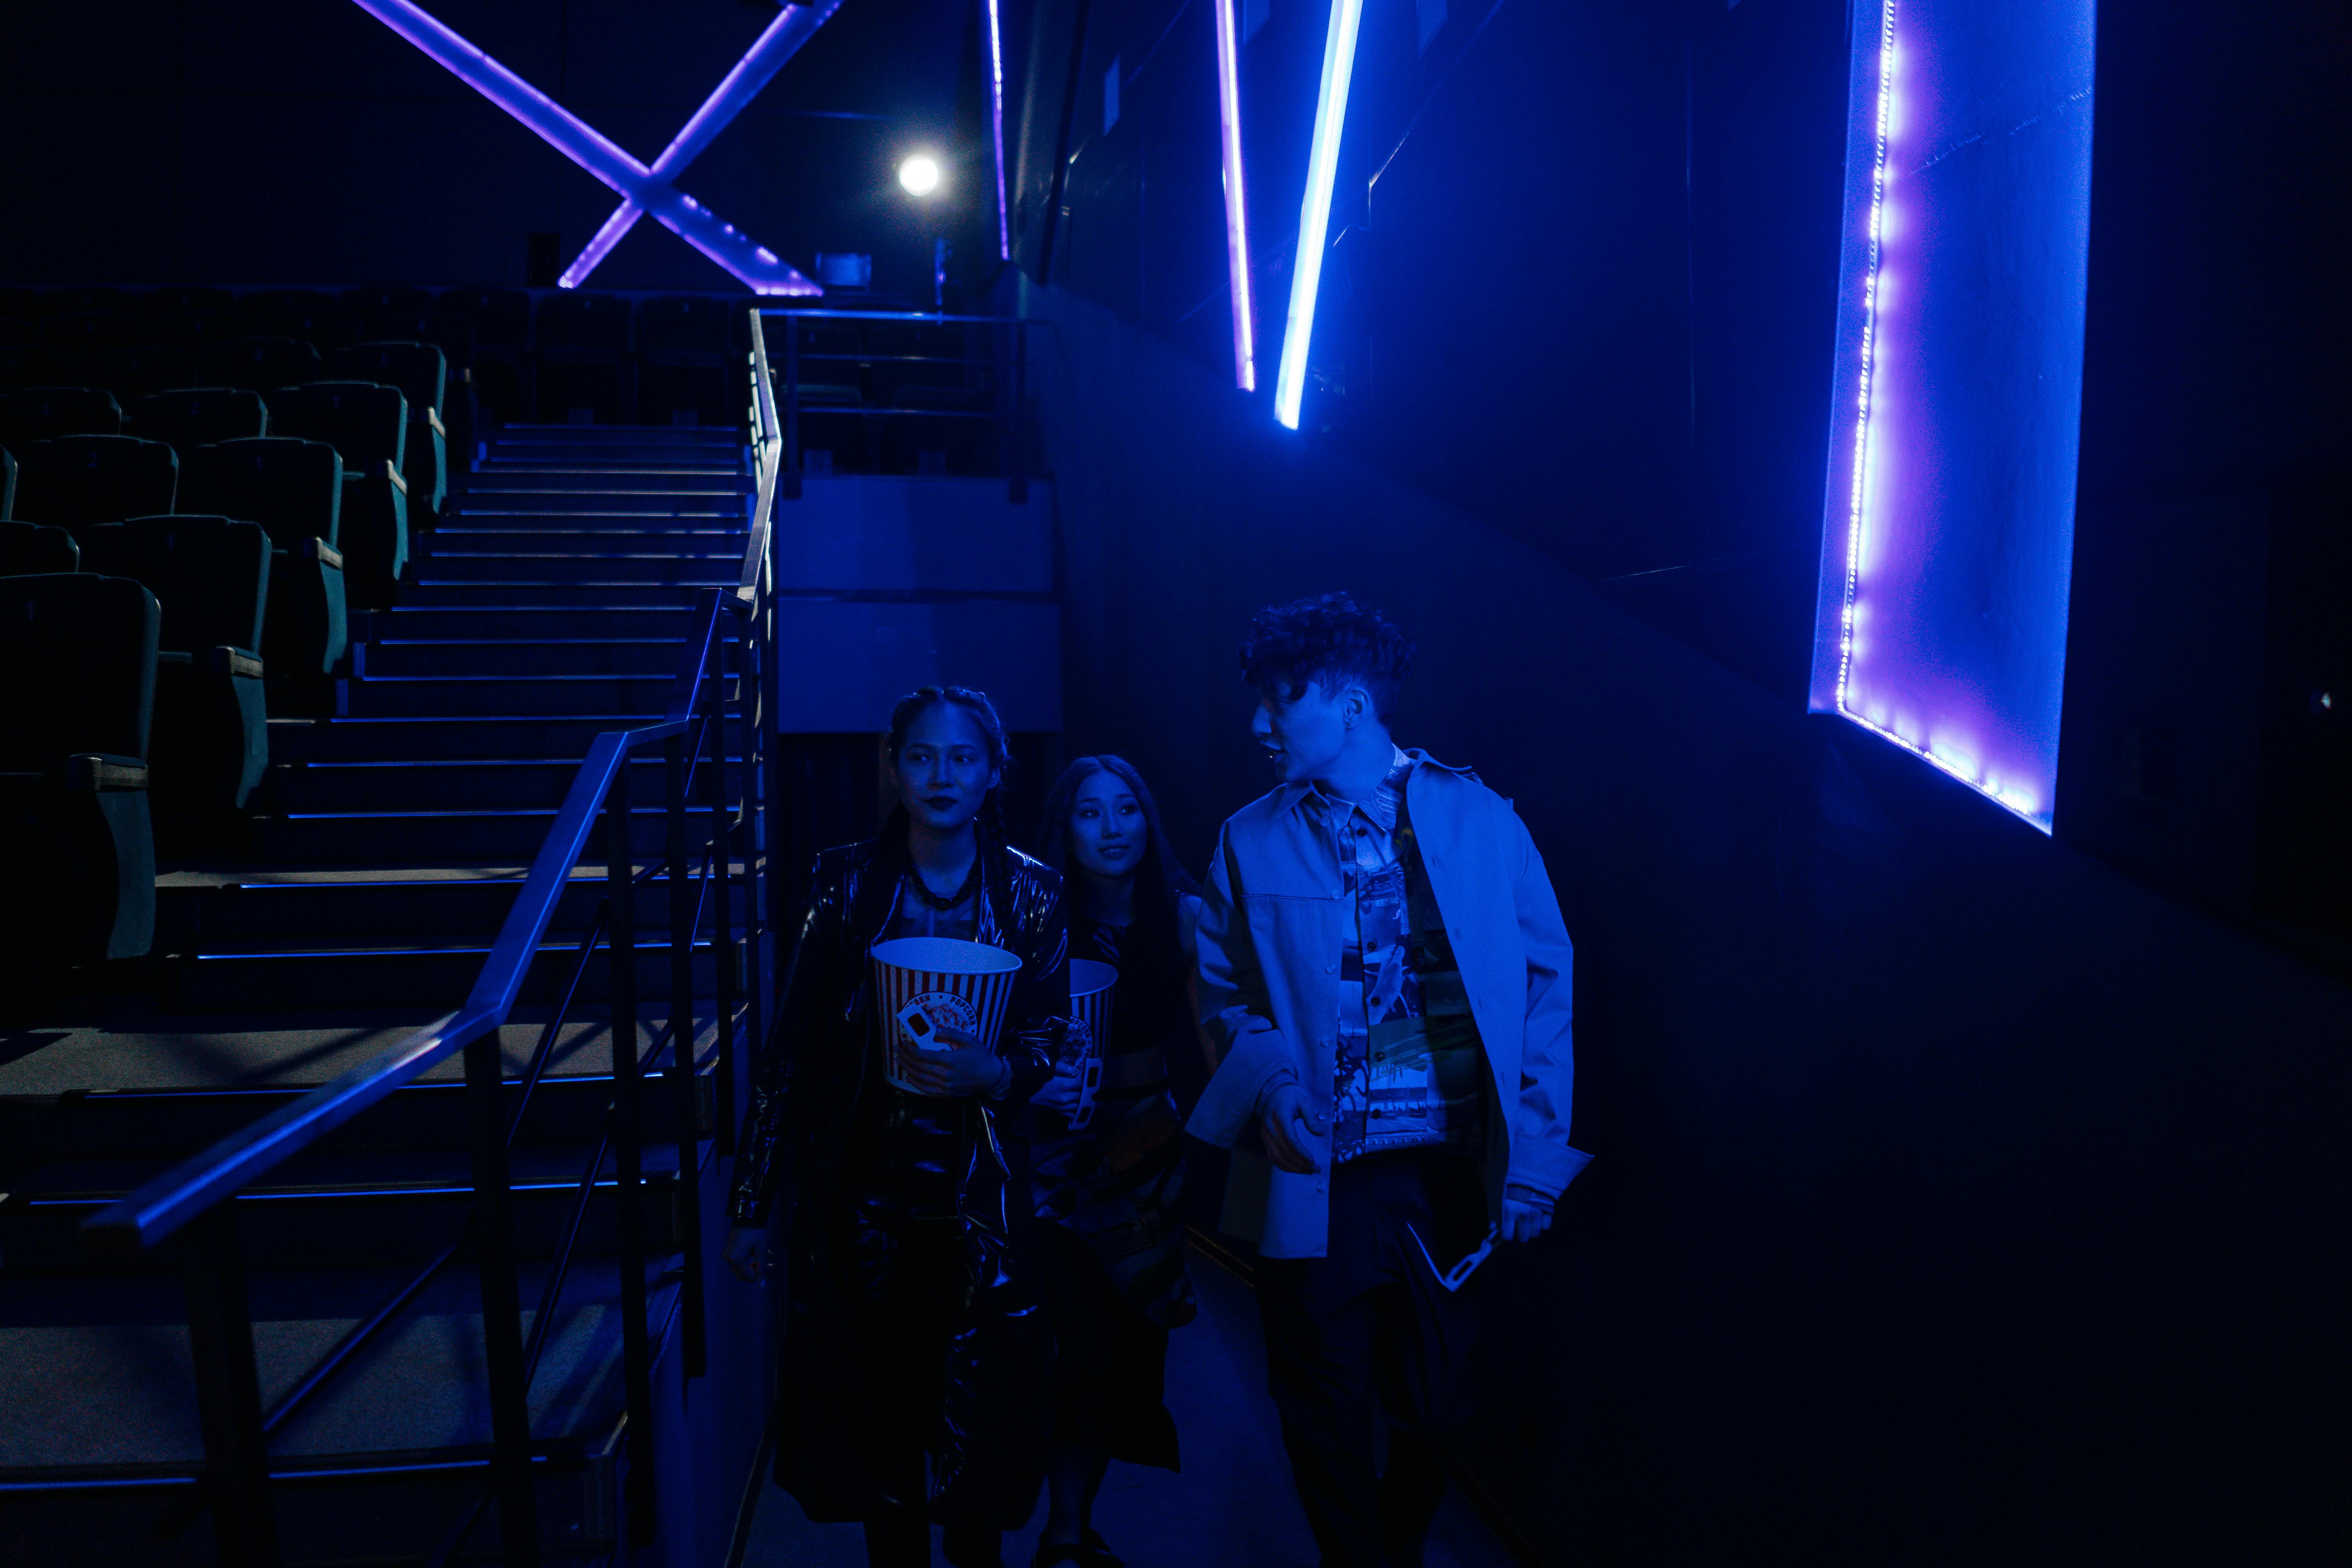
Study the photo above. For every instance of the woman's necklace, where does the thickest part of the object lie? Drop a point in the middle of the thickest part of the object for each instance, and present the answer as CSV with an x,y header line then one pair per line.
x,y
954,900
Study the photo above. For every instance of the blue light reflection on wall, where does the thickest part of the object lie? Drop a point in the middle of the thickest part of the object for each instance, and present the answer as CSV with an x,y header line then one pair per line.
x,y
1948,535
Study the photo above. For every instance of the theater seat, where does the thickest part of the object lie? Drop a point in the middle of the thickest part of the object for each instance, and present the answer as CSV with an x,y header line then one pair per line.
x,y
76,481
294,489
580,362
158,367
27,549
376,299
199,415
27,363
686,363
500,319
422,373
174,301
367,424
73,301
38,413
258,365
211,574
77,685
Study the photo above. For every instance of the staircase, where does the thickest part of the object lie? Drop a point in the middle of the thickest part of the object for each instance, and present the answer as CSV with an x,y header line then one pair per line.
x,y
551,604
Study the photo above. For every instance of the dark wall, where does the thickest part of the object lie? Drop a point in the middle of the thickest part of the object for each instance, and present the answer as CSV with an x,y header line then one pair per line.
x,y
1582,286
287,142
1956,1200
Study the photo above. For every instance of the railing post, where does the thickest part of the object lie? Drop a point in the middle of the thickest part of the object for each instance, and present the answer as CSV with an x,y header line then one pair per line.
x,y
228,1393
494,1261
1020,440
722,856
767,781
683,1106
790,479
629,1195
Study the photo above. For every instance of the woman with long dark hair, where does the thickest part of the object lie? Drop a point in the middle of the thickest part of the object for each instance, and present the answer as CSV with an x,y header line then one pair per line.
x,y
914,1331
1111,1190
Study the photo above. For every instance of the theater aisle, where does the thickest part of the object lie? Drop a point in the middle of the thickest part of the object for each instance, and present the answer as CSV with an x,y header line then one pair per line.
x,y
1232,1508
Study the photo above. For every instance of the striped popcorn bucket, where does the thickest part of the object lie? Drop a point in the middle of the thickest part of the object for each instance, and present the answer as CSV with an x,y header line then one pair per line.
x,y
1090,989
965,985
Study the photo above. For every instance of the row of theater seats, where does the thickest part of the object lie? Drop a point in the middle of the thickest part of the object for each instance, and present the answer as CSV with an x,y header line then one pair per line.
x,y
415,446
602,357
290,490
336,487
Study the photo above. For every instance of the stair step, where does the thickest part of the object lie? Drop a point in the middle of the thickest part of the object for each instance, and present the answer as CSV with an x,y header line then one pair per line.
x,y
443,785
564,533
643,695
516,657
617,454
544,594
482,836
391,976
375,1470
470,737
713,544
582,572
392,906
605,503
604,479
625,623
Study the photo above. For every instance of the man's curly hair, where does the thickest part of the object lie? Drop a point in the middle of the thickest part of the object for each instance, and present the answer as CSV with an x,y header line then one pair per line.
x,y
1328,640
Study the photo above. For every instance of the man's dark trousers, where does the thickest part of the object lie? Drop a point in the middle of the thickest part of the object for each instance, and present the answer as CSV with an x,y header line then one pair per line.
x,y
1367,1328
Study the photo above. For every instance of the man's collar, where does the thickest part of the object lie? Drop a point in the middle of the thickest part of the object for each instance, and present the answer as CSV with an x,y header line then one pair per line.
x,y
1290,795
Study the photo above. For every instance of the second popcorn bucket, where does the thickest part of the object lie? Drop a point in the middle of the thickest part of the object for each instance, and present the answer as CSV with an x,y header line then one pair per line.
x,y
965,985
1090,990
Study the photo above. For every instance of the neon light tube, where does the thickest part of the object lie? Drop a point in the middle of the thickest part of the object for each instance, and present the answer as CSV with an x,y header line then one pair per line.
x,y
1229,122
781,40
996,126
1315,212
758,267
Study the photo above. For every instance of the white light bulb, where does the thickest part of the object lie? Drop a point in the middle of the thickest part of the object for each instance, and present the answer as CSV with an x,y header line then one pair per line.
x,y
919,175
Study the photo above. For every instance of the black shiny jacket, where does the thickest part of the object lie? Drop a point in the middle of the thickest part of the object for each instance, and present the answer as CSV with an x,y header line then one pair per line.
x,y
833,1450
806,1090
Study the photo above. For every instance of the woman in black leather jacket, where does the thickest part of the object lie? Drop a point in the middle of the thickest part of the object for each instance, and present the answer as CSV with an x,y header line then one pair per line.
x,y
914,1329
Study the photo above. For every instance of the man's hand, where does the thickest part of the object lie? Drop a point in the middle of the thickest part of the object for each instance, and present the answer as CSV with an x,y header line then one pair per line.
x,y
747,1251
1286,1109
1060,1092
1524,1221
964,1069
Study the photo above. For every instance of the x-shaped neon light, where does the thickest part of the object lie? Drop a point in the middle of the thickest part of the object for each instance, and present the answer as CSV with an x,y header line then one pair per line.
x,y
642,190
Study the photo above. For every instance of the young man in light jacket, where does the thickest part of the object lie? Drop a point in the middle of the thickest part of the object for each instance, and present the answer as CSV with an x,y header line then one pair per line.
x,y
1384,970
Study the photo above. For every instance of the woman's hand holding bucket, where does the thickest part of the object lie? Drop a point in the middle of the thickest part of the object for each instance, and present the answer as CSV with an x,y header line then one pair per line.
x,y
1061,1091
962,1068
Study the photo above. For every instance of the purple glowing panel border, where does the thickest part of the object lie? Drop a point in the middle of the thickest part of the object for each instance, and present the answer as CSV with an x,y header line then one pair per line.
x,y
758,269
781,40
1948,533
1237,265
996,126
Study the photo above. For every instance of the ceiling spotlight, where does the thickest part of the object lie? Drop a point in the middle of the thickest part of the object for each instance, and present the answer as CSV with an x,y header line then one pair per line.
x,y
919,175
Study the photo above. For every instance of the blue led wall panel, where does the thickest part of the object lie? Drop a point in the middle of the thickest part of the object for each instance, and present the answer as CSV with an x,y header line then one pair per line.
x,y
1947,537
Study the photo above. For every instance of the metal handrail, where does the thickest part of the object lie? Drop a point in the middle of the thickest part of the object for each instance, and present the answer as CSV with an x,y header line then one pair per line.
x,y
169,1201
196,1194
